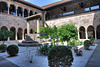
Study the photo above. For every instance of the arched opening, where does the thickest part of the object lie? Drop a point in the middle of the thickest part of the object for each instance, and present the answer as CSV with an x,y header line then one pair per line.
x,y
31,13
82,32
47,16
19,34
19,11
4,28
25,32
14,31
3,7
98,32
90,31
35,12
31,31
25,13
12,10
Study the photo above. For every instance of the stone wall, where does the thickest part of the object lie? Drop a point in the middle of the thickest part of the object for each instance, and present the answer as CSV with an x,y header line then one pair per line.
x,y
15,21
85,19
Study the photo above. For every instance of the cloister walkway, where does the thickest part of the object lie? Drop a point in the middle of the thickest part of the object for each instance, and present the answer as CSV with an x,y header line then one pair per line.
x,y
94,60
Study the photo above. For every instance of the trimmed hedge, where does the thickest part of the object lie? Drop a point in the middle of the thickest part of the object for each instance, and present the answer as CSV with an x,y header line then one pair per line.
x,y
87,44
60,56
12,50
3,47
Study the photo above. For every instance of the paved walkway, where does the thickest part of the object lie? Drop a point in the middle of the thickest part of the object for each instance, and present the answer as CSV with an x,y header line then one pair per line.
x,y
94,60
6,63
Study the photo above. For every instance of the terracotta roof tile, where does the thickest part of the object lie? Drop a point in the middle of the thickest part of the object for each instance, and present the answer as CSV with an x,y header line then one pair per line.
x,y
47,6
56,3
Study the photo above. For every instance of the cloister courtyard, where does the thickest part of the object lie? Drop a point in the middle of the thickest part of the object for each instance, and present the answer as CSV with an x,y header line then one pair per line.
x,y
61,34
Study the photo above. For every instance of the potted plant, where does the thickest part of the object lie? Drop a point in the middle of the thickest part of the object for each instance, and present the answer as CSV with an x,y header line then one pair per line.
x,y
78,52
87,44
92,40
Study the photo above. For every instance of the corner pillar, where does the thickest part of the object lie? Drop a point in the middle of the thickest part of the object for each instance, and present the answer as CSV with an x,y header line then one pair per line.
x,y
86,34
16,36
38,30
95,34
28,28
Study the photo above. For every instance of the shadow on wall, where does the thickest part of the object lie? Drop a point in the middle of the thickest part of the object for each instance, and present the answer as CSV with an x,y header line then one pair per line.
x,y
96,24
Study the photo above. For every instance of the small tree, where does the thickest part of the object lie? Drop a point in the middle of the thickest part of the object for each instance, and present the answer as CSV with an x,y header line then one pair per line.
x,y
68,31
4,34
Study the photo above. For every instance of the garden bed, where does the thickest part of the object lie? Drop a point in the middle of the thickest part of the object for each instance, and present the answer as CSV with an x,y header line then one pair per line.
x,y
42,61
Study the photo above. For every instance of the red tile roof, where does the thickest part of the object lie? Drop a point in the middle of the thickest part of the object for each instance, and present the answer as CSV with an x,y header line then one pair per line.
x,y
47,6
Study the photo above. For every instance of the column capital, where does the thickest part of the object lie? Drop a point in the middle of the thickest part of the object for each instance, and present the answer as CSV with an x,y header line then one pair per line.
x,y
16,7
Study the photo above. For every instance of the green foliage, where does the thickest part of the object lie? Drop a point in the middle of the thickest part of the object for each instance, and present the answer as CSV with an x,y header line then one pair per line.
x,y
45,24
12,50
72,42
92,40
60,56
4,34
3,47
69,31
87,44
45,49
79,43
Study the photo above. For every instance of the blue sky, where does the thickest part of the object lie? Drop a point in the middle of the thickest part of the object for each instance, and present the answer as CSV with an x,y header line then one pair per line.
x,y
42,2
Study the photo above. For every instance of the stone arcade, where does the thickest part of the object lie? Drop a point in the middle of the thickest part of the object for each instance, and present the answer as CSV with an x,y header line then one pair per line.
x,y
83,13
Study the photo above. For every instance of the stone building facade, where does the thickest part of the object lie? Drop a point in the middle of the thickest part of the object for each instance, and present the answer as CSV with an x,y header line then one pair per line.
x,y
90,22
81,13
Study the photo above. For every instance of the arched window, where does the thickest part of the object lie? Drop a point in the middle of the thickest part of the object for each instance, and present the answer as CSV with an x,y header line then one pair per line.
x,y
25,32
14,31
98,32
82,32
12,10
31,31
90,31
19,11
25,13
31,13
3,7
19,34
4,28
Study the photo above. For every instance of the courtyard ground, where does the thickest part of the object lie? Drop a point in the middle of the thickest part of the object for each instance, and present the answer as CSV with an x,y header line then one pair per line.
x,y
22,60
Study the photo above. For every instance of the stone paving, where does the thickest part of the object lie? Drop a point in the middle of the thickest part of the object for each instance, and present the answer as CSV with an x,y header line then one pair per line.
x,y
39,60
94,60
6,63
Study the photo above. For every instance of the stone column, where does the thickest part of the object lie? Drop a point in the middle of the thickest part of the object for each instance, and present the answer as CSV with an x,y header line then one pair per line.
x,y
89,5
28,27
16,10
8,37
23,12
38,30
23,35
78,34
29,12
86,34
95,34
16,35
8,8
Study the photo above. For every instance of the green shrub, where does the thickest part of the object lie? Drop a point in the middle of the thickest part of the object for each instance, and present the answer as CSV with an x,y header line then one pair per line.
x,y
60,56
92,40
12,50
87,44
79,43
72,42
3,47
45,49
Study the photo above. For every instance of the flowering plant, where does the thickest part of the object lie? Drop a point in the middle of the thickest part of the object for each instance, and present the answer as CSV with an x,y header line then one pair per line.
x,y
78,52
